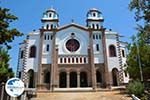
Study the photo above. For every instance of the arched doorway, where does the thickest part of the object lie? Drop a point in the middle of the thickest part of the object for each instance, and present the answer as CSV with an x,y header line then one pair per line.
x,y
73,79
83,79
31,78
98,77
115,76
63,80
47,77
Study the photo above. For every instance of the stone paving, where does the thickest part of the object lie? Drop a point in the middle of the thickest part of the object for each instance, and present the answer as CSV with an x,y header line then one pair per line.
x,y
102,95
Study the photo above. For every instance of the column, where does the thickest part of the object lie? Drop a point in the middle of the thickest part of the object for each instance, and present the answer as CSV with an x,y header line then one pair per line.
x,y
91,61
39,75
68,79
78,79
106,71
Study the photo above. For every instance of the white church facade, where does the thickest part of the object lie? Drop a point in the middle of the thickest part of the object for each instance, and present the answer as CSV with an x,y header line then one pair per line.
x,y
72,56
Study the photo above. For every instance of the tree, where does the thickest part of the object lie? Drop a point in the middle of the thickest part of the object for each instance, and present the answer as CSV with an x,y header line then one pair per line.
x,y
5,71
142,9
133,59
7,35
142,40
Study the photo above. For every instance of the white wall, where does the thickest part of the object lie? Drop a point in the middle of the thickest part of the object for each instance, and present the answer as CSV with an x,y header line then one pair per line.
x,y
64,35
32,63
46,55
98,55
112,61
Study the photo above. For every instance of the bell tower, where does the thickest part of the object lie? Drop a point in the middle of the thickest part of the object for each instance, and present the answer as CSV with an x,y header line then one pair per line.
x,y
94,19
50,19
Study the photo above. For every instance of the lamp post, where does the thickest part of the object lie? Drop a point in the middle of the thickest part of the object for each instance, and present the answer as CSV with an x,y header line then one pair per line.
x,y
139,59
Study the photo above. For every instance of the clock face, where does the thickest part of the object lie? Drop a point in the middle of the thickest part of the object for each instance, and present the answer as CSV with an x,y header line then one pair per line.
x,y
72,45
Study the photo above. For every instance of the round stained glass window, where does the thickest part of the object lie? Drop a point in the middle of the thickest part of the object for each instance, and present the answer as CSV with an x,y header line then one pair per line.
x,y
72,45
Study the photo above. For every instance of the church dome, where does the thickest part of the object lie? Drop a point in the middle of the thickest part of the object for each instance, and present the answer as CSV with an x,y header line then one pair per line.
x,y
94,13
50,14
94,9
51,10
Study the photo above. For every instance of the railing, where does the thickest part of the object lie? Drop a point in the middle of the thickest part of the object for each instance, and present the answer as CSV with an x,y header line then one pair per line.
x,y
75,59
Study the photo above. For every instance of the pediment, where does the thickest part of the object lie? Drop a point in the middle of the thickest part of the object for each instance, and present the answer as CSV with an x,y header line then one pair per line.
x,y
73,25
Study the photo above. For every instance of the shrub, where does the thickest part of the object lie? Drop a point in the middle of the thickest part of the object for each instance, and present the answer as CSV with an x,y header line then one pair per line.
x,y
136,88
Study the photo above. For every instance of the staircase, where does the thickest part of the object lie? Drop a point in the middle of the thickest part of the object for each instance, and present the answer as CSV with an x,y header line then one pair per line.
x,y
120,73
102,95
25,55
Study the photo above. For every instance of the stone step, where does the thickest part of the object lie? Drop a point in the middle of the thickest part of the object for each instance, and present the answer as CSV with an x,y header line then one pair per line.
x,y
101,95
73,89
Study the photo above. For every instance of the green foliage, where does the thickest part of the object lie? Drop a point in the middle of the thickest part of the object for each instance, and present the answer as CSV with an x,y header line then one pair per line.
x,y
136,88
5,71
144,97
142,40
142,9
7,34
133,59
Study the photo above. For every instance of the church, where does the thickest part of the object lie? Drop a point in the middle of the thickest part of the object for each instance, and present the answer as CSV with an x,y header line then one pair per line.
x,y
72,56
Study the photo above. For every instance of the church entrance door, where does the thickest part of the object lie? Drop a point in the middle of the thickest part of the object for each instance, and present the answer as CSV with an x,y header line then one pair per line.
x,y
114,76
62,80
73,79
83,79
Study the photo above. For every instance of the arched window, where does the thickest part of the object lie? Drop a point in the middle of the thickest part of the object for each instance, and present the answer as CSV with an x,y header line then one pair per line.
x,y
93,36
32,52
123,53
97,26
52,26
50,15
47,37
76,60
84,60
72,60
93,26
61,60
97,47
112,51
68,60
47,26
47,47
80,59
96,36
94,14
22,54
64,60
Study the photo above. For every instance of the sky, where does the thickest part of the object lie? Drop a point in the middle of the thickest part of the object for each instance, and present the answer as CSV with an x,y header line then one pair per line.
x,y
29,12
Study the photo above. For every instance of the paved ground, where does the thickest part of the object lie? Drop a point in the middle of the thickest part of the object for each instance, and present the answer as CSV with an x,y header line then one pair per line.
x,y
103,95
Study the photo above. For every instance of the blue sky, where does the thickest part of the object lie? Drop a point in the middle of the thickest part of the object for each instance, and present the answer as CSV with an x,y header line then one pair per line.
x,y
115,12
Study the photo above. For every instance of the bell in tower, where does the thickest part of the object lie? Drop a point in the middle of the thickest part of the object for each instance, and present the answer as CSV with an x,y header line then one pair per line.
x,y
50,19
94,19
